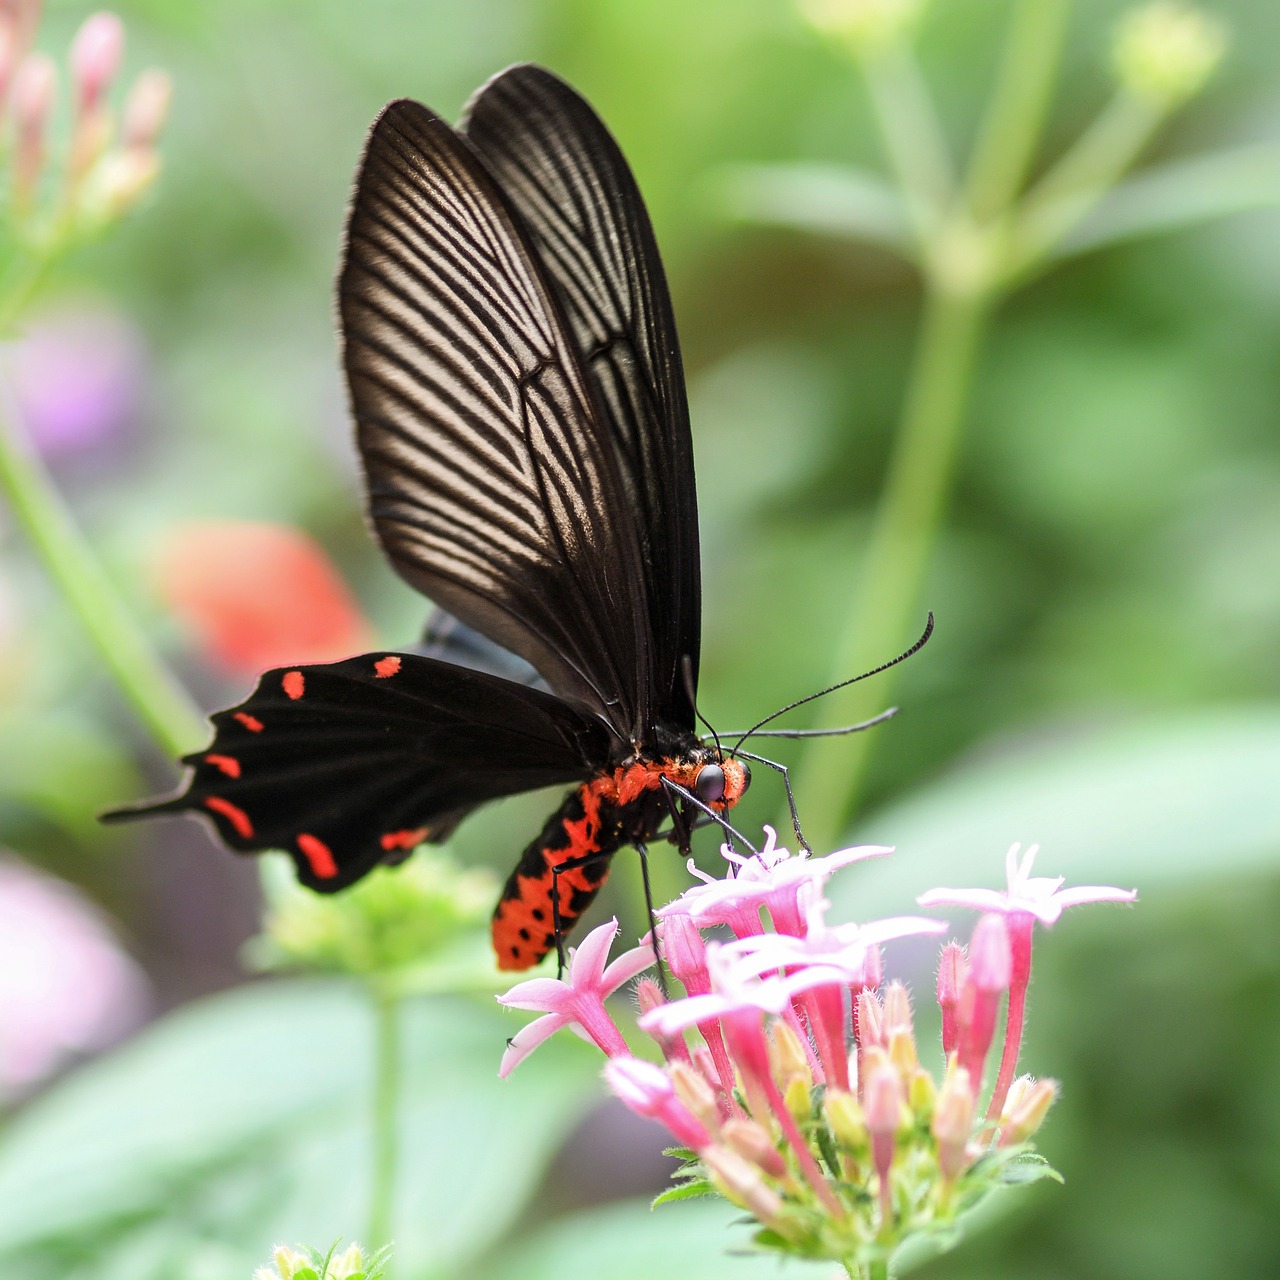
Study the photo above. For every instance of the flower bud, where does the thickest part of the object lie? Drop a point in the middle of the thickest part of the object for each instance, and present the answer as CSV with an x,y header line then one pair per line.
x,y
787,1059
921,1092
649,1091
753,1142
898,1030
696,1094
147,108
648,998
1025,1108
869,1020
953,969
953,1121
864,26
34,88
95,57
1165,53
847,1119
740,1181
882,1102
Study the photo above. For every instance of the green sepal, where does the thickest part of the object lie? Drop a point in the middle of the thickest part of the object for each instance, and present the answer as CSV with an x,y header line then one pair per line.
x,y
694,1189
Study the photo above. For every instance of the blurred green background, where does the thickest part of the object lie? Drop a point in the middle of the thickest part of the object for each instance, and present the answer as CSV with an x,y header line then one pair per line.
x,y
1105,677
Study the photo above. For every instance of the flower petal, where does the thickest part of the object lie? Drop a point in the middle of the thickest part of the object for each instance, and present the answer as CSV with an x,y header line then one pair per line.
x,y
527,1039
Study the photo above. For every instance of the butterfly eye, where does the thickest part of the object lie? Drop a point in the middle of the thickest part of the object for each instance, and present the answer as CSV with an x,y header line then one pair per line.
x,y
709,786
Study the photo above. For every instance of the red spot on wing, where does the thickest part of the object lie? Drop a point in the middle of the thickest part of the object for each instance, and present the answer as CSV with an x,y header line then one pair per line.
x,y
224,764
233,814
386,667
404,839
319,855
293,683
252,723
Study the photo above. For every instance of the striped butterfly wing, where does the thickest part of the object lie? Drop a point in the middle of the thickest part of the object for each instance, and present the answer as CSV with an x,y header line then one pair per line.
x,y
568,179
348,764
493,483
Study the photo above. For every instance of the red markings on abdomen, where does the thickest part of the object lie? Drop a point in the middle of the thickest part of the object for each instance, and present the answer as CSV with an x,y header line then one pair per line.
x,y
293,683
319,855
386,667
224,764
252,723
524,921
233,814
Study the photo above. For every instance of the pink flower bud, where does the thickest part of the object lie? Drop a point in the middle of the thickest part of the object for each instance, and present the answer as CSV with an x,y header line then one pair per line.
x,y
648,1091
648,998
882,1105
696,1093
753,1142
953,1121
34,87
953,969
95,58
147,108
990,965
868,1023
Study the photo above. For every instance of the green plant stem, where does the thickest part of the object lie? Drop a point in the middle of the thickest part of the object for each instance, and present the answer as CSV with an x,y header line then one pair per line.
x,y
886,612
912,136
159,700
1071,189
1015,116
386,1105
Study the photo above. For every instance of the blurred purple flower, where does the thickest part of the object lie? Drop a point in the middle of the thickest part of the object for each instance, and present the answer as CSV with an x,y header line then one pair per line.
x,y
76,377
66,987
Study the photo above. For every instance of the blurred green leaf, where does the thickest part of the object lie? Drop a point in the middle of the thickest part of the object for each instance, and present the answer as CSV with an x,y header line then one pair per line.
x,y
630,1241
243,1120
1180,194
1176,799
823,198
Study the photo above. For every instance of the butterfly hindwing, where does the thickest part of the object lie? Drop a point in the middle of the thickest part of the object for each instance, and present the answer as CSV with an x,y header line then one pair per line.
x,y
348,764
493,483
567,178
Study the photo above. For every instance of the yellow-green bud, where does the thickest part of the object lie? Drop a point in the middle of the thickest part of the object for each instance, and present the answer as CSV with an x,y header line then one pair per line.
x,y
864,26
787,1057
739,1180
1025,1108
1165,52
846,1118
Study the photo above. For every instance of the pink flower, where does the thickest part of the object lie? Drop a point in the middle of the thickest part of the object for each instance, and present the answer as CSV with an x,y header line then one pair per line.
x,y
1026,899
648,1091
1040,896
577,1001
77,378
772,878
66,987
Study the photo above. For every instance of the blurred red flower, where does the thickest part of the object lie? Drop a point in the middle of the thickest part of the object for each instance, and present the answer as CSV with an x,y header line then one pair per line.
x,y
259,595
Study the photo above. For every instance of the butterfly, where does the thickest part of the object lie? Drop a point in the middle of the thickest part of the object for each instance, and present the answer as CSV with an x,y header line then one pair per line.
x,y
520,411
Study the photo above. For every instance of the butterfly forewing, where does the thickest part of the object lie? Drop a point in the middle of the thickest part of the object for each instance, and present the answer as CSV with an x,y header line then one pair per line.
x,y
493,482
568,180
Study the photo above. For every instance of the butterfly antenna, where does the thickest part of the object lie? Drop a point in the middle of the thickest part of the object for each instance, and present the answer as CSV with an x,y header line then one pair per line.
x,y
686,674
822,693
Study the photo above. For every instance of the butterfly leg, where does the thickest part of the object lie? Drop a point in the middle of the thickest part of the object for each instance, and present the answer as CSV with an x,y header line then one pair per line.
x,y
559,922
791,799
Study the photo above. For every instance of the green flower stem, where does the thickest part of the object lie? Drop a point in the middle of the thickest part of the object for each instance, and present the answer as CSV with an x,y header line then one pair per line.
x,y
912,136
1074,186
386,1106
886,612
159,700
1016,113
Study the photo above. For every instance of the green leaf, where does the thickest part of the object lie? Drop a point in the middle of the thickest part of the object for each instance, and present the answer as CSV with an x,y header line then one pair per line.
x,y
243,1120
694,1189
1028,1168
629,1242
1182,194
826,199
1173,800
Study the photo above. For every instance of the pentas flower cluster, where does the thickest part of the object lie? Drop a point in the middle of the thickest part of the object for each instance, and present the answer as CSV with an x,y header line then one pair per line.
x,y
791,1079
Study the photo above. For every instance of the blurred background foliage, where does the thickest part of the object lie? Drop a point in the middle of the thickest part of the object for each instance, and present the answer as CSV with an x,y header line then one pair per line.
x,y
1105,677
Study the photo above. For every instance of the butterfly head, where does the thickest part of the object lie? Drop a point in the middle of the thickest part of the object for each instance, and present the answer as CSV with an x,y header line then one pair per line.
x,y
721,782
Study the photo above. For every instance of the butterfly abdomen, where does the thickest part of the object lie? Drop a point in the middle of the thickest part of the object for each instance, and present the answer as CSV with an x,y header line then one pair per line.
x,y
581,837
572,854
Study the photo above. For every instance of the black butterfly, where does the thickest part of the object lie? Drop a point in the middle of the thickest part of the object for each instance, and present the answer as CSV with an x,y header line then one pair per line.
x,y
520,409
